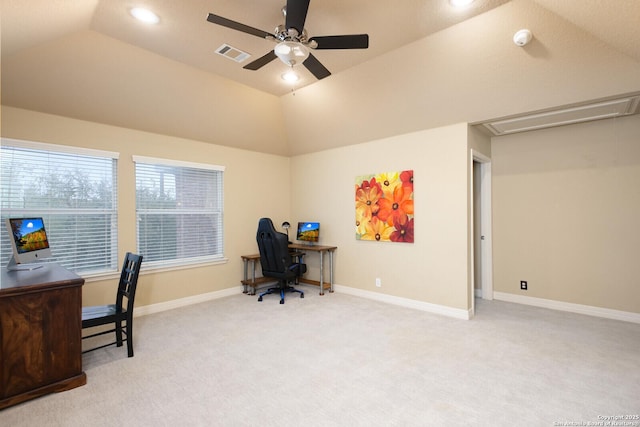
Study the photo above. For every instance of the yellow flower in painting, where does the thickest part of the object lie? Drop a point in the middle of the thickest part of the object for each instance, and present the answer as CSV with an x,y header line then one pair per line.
x,y
367,196
388,182
377,230
362,219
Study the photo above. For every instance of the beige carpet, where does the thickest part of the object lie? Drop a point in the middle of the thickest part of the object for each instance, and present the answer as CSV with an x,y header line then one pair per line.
x,y
339,360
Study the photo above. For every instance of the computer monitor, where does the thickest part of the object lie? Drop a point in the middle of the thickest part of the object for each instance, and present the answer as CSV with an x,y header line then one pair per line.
x,y
29,242
308,232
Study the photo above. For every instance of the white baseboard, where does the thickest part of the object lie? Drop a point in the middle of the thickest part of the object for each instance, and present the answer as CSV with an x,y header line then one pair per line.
x,y
606,313
183,302
589,310
406,302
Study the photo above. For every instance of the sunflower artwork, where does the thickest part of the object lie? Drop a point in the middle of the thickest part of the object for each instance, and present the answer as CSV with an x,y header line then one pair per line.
x,y
384,207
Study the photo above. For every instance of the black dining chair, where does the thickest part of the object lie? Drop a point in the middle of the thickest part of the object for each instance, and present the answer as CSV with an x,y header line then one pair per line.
x,y
119,314
277,261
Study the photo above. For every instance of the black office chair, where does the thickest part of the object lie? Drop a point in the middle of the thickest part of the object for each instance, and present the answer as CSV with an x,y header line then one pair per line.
x,y
276,260
117,313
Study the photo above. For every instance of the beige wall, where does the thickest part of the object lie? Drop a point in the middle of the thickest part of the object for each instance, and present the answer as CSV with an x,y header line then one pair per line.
x,y
255,185
434,268
566,210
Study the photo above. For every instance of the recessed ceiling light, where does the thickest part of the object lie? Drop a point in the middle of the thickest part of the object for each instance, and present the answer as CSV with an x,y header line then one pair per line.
x,y
460,3
290,77
144,15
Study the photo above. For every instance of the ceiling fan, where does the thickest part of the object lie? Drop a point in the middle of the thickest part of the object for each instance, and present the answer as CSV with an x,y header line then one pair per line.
x,y
294,44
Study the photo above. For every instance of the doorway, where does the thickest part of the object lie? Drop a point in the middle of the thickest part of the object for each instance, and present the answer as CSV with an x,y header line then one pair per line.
x,y
481,236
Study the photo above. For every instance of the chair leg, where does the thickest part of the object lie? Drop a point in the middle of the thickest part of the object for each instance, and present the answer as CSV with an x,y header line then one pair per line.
x,y
299,291
119,333
268,291
130,336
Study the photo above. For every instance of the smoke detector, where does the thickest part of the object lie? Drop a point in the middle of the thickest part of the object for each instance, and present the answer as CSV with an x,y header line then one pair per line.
x,y
522,37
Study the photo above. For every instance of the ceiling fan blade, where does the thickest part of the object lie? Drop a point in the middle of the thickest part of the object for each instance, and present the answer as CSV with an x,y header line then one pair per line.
x,y
353,41
215,19
316,68
261,62
296,14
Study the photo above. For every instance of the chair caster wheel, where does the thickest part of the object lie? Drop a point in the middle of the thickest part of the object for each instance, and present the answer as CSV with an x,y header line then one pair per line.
x,y
301,295
281,301
259,298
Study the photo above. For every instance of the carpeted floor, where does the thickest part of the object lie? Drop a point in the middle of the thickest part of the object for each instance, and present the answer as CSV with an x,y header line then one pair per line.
x,y
340,360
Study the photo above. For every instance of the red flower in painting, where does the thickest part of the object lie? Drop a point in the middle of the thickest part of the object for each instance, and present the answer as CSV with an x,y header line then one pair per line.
x,y
407,180
404,230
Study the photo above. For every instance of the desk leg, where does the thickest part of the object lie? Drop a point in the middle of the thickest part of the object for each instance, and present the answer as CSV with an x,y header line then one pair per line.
x,y
331,271
253,276
244,284
321,274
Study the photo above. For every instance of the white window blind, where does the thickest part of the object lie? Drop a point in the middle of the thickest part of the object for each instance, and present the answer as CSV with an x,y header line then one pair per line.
x,y
179,207
74,190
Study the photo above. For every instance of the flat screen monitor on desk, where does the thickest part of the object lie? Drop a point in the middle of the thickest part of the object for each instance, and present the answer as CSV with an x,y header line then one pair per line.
x,y
308,232
29,243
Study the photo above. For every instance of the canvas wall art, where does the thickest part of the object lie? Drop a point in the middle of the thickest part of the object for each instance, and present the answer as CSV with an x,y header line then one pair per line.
x,y
384,207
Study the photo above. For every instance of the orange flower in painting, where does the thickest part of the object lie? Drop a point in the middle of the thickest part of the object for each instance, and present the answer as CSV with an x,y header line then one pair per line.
x,y
398,205
367,196
377,230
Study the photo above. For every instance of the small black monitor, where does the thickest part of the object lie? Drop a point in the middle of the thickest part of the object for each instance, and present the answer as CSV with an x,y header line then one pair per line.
x,y
29,242
308,232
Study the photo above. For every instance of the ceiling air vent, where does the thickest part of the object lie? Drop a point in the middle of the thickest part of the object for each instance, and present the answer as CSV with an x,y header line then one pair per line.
x,y
232,53
566,116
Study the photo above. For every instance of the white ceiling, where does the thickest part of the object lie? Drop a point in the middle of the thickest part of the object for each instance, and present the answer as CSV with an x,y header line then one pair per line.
x,y
184,35
89,59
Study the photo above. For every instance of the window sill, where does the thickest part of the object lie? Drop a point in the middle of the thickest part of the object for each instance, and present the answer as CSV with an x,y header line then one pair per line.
x,y
163,268
154,269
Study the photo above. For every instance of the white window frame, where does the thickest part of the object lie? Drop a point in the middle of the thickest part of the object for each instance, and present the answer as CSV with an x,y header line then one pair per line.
x,y
76,264
216,212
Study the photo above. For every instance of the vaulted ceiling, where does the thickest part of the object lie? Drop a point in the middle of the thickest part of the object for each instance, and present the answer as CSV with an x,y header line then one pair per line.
x,y
427,65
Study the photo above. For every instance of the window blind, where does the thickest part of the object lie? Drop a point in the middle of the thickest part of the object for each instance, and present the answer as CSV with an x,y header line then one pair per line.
x,y
74,190
179,208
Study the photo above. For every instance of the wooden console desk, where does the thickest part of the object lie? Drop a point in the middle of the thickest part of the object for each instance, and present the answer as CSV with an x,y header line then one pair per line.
x,y
254,281
40,333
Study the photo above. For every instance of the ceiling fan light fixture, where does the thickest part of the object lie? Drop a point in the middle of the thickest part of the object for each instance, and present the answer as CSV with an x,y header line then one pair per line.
x,y
144,15
291,53
290,77
461,4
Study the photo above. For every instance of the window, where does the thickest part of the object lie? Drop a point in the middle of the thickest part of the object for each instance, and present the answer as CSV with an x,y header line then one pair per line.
x,y
179,209
74,190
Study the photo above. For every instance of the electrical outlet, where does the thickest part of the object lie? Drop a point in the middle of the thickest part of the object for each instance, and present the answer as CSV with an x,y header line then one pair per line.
x,y
378,282
523,285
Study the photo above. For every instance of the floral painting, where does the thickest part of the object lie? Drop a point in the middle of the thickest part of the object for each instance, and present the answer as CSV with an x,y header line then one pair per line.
x,y
384,207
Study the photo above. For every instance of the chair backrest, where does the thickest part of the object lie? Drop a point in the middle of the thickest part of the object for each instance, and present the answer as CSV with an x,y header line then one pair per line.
x,y
274,249
128,280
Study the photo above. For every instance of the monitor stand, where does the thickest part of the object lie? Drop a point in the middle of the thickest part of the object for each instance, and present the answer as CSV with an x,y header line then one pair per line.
x,y
14,266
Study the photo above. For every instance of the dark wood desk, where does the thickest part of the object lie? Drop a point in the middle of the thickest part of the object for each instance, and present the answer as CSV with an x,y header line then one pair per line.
x,y
254,281
40,333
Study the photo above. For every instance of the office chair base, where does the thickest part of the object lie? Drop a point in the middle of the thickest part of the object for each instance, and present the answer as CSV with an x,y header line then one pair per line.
x,y
282,292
